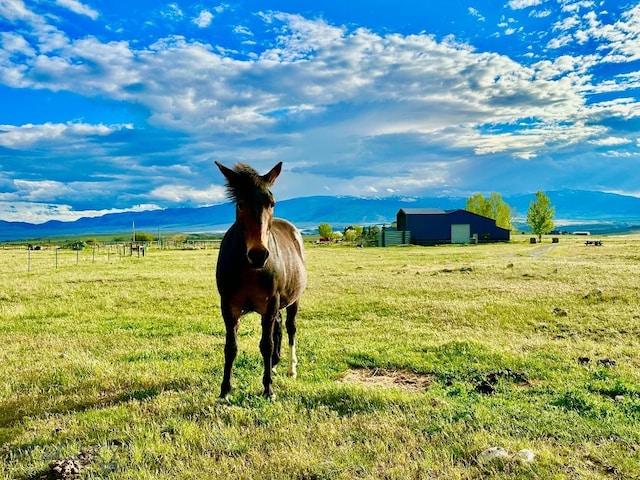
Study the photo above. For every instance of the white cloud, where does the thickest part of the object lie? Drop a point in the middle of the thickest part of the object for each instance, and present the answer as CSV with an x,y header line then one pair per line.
x,y
520,4
313,66
76,7
203,20
567,23
44,190
15,10
187,194
559,42
37,212
15,43
574,6
242,30
221,7
29,134
173,11
475,13
525,155
540,13
611,141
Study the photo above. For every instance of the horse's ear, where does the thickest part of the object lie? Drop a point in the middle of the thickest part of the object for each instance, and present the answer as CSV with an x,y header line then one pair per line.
x,y
270,177
229,174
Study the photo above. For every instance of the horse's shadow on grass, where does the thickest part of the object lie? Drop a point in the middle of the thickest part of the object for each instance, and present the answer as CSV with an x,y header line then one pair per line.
x,y
13,412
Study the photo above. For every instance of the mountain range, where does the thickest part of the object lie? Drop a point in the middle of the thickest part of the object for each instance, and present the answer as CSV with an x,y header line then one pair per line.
x,y
575,210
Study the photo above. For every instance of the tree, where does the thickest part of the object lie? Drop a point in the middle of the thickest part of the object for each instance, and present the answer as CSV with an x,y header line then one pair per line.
x,y
493,207
179,239
337,235
478,204
540,215
350,235
144,237
325,230
370,235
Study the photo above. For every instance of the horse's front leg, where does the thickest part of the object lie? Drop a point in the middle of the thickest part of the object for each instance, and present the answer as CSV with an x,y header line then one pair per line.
x,y
230,346
266,346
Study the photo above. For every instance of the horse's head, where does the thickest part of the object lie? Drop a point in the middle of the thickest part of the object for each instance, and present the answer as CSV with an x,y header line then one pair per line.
x,y
254,207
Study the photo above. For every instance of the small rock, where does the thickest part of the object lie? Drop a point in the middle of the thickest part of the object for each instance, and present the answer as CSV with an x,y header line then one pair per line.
x,y
491,454
583,360
485,388
509,265
525,455
595,293
560,312
606,362
619,398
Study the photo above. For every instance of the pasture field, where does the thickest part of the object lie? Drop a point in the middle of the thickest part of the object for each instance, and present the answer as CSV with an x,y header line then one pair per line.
x,y
412,361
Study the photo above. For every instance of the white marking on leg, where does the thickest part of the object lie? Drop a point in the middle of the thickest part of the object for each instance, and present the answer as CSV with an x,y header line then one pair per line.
x,y
293,362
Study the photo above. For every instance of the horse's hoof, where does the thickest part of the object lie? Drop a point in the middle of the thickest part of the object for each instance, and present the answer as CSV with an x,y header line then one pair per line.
x,y
224,395
292,373
273,370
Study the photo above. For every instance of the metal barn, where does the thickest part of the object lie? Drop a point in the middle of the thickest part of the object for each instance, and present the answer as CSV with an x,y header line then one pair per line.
x,y
431,226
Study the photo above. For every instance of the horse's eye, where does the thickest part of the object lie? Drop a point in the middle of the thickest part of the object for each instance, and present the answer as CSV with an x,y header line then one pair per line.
x,y
242,204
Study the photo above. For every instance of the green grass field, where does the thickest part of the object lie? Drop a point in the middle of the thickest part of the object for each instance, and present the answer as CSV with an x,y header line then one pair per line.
x,y
412,361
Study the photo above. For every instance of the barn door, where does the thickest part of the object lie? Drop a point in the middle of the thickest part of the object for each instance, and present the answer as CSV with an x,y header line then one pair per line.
x,y
460,233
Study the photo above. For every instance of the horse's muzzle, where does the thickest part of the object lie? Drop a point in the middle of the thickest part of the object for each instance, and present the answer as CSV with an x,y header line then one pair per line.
x,y
258,257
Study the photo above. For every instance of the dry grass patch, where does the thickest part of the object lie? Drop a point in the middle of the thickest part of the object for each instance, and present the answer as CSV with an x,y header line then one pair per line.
x,y
388,378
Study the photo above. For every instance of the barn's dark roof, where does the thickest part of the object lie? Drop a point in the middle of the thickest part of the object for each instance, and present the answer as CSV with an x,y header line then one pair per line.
x,y
422,211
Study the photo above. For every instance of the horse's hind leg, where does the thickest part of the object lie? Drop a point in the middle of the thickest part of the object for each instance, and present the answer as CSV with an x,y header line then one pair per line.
x,y
230,347
292,311
277,341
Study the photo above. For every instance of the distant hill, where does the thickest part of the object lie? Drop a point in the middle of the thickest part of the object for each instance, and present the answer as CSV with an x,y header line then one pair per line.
x,y
582,205
575,210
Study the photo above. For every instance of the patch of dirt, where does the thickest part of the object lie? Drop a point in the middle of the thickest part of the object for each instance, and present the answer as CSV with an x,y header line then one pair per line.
x,y
539,252
388,378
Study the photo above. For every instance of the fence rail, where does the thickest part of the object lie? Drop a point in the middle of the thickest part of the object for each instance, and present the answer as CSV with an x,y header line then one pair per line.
x,y
50,257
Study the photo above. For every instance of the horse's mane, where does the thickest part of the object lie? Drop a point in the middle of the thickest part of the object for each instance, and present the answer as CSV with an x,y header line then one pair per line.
x,y
246,180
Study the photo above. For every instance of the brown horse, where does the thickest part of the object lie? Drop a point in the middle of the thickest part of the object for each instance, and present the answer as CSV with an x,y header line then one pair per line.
x,y
261,268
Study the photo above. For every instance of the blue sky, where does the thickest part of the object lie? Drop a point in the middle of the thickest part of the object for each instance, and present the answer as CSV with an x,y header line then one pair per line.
x,y
110,106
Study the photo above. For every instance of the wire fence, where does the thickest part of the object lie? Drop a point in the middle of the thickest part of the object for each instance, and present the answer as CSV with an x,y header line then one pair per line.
x,y
40,258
